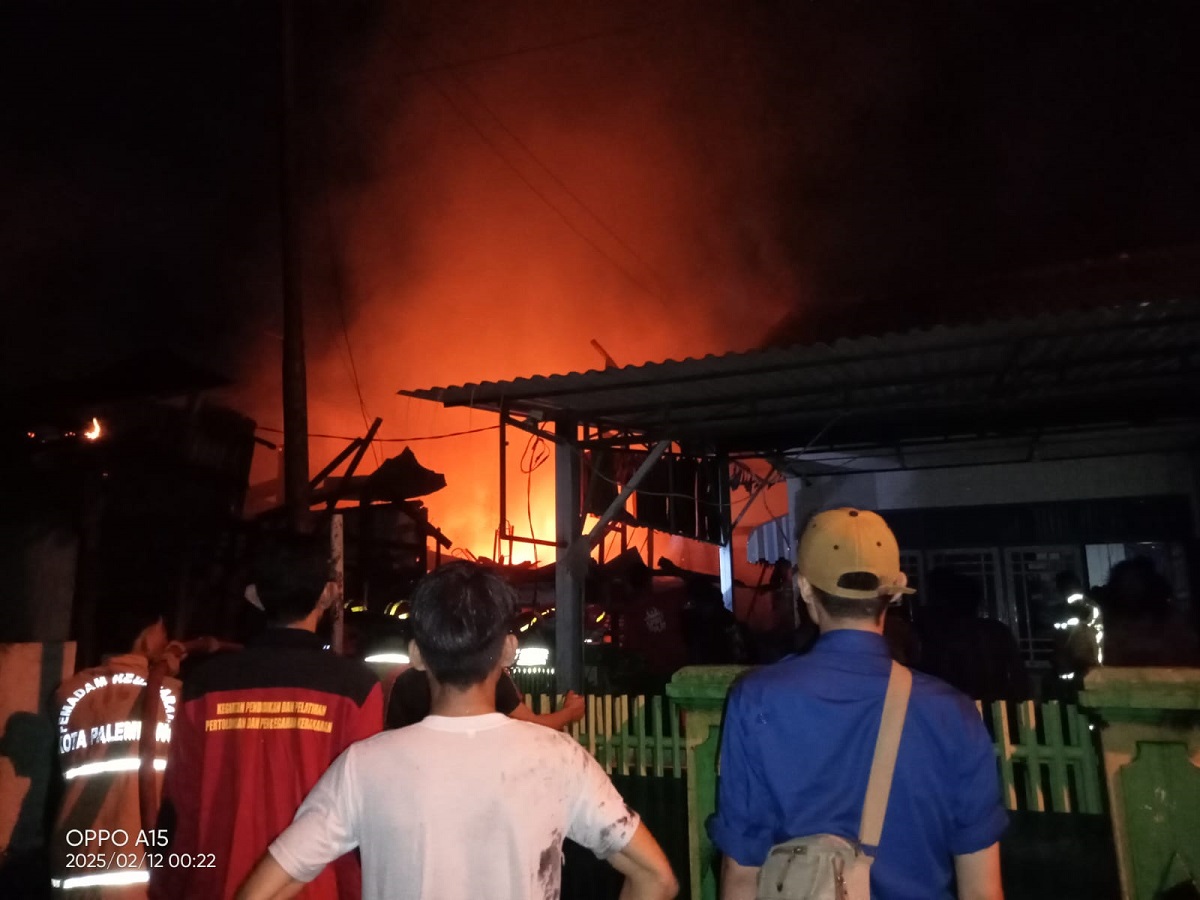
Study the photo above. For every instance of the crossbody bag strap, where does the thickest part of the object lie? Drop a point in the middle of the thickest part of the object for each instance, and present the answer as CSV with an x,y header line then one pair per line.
x,y
887,745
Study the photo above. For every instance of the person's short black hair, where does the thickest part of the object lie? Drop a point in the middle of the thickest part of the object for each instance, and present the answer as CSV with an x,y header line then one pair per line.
x,y
290,573
848,607
460,615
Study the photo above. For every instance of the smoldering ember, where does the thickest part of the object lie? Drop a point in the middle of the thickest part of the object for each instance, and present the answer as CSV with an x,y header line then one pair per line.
x,y
794,406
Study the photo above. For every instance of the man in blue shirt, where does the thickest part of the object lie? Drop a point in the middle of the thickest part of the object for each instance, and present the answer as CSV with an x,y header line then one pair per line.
x,y
799,737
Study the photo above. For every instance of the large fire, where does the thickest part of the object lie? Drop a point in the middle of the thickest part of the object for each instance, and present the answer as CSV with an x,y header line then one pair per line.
x,y
512,215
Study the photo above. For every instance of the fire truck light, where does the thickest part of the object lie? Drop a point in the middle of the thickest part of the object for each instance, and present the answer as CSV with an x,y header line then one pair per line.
x,y
94,431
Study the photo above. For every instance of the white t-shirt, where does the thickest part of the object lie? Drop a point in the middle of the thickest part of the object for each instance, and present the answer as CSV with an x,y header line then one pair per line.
x,y
458,809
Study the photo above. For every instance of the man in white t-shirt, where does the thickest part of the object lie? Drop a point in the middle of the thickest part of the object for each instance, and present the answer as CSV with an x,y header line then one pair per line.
x,y
467,803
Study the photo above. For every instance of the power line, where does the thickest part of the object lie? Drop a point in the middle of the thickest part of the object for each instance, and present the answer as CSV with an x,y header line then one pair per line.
x,y
540,194
558,181
524,179
537,456
340,301
532,48
398,440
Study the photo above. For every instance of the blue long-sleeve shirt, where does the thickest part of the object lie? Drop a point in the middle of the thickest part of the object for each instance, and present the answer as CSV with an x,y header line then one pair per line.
x,y
796,752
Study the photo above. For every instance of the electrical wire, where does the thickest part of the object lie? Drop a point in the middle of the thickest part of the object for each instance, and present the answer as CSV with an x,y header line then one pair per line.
x,y
396,440
645,493
537,161
340,302
541,195
532,48
537,455
524,179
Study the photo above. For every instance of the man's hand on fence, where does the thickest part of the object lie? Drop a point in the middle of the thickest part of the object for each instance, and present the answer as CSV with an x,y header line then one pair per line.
x,y
573,707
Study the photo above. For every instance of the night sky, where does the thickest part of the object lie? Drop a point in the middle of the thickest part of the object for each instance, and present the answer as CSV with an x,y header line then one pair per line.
x,y
906,142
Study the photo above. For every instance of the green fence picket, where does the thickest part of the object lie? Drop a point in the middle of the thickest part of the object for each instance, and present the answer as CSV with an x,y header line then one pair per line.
x,y
656,723
1057,757
1079,733
1030,753
676,739
1004,750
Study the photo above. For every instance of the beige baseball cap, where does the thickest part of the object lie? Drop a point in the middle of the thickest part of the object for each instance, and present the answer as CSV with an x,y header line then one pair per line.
x,y
839,542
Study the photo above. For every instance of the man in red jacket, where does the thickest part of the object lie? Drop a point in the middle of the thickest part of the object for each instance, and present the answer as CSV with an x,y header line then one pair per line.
x,y
255,732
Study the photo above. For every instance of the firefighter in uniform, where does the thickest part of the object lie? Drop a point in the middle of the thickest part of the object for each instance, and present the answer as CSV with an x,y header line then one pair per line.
x,y
114,728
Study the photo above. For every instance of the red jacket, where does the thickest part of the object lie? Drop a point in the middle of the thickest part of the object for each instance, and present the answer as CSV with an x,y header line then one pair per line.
x,y
255,732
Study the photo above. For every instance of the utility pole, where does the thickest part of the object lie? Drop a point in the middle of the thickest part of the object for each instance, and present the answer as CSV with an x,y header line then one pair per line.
x,y
295,386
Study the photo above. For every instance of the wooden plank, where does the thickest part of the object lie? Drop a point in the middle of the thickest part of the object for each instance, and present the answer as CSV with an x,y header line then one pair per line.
x,y
1004,749
656,724
676,740
1030,752
639,731
1060,788
592,708
623,714
1087,768
608,733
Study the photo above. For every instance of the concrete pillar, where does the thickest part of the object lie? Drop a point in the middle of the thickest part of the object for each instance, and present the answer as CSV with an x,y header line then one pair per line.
x,y
571,569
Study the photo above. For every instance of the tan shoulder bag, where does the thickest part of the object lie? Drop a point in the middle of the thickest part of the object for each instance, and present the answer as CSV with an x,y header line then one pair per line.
x,y
829,867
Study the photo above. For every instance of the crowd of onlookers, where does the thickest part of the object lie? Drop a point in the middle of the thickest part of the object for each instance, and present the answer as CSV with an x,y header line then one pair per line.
x,y
279,768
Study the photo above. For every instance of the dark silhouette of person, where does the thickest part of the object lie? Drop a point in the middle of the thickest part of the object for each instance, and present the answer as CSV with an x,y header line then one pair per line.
x,y
978,656
1141,628
710,629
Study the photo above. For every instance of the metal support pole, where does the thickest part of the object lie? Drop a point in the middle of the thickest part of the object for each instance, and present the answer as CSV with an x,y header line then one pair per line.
x,y
569,575
295,382
726,554
502,529
337,558
726,550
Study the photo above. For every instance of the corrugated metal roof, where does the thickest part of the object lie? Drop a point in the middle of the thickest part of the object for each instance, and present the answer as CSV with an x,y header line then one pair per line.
x,y
1106,364
771,541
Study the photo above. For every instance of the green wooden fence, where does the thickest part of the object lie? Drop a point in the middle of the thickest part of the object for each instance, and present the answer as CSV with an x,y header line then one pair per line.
x,y
1046,752
627,735
1047,756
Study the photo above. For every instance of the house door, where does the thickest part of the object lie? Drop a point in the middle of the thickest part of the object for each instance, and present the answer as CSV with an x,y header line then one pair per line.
x,y
1030,574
